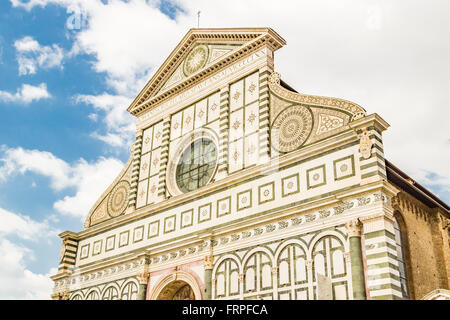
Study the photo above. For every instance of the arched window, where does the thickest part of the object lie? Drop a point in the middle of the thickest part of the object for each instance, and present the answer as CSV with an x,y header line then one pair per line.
x,y
129,292
93,295
111,293
401,258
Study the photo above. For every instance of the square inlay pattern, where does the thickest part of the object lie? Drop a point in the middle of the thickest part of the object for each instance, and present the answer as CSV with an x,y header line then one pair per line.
x,y
187,218
153,229
204,212
315,177
290,185
97,248
110,243
244,200
169,224
138,234
124,238
84,251
344,168
223,206
266,192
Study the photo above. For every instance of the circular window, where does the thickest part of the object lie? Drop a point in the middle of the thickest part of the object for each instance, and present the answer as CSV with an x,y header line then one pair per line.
x,y
196,165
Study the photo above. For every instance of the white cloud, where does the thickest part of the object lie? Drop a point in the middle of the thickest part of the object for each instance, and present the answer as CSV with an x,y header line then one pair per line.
x,y
31,55
120,125
26,94
89,179
23,226
17,281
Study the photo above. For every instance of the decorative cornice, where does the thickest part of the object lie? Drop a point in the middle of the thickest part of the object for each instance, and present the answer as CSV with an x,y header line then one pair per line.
x,y
350,107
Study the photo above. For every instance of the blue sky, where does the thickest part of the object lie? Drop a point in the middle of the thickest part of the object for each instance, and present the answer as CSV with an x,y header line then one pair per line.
x,y
70,68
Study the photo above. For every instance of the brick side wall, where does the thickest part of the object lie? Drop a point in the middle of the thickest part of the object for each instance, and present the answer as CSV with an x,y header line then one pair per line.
x,y
427,247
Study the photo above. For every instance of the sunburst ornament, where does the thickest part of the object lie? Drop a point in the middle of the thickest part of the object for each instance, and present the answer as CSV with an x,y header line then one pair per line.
x,y
196,59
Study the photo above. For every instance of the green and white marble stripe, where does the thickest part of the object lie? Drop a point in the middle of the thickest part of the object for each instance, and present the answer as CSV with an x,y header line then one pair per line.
x,y
223,125
135,169
164,158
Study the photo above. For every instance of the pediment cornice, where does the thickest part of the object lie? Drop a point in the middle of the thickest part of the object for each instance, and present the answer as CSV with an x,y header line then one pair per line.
x,y
250,39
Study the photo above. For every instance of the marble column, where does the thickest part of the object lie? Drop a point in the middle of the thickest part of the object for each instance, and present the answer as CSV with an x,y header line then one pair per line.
x,y
358,282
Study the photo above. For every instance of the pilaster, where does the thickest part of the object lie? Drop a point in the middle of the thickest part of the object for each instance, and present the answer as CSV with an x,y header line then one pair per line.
x,y
264,121
162,190
222,170
137,147
383,277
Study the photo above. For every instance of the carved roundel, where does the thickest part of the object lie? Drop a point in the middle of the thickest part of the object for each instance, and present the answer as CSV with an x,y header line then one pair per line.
x,y
291,128
196,59
118,199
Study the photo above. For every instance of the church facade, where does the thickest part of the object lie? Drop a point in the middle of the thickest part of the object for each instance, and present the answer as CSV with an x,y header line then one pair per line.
x,y
239,187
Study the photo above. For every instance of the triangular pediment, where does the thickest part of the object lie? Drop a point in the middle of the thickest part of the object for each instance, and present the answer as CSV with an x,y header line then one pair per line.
x,y
200,50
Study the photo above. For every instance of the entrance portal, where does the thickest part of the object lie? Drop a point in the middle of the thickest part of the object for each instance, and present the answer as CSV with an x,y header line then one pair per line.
x,y
177,290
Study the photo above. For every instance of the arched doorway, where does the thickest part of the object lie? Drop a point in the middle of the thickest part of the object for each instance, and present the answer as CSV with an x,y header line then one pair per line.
x,y
177,290
177,286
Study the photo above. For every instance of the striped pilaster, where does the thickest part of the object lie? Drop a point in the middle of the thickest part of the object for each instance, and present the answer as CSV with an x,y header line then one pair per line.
x,y
264,122
373,168
68,254
383,276
135,171
165,140
222,170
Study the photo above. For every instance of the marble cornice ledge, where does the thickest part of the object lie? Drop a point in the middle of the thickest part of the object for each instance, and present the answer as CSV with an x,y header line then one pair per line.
x,y
316,149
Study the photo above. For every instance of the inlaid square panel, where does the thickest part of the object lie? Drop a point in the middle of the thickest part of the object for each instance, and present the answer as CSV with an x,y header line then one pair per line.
x,y
237,95
344,168
214,107
236,125
124,238
204,212
152,189
252,118
169,224
138,234
252,88
97,248
187,218
147,140
315,177
201,113
153,229
251,150
141,199
110,243
157,135
244,200
175,123
235,156
223,206
290,185
84,251
155,161
145,166
188,120
266,192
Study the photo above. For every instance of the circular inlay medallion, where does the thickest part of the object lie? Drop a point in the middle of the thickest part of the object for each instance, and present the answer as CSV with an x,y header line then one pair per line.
x,y
344,168
118,198
196,59
291,128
